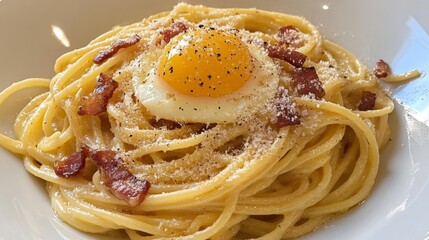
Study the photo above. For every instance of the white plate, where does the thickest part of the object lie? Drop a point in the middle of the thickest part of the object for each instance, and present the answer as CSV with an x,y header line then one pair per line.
x,y
396,31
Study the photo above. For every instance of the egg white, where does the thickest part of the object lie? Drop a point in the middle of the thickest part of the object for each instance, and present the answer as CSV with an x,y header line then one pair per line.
x,y
165,102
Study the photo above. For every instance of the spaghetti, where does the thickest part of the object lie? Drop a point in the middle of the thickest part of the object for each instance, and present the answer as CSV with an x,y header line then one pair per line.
x,y
264,176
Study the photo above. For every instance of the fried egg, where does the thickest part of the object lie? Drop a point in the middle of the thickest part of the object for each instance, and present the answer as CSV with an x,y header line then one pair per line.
x,y
207,76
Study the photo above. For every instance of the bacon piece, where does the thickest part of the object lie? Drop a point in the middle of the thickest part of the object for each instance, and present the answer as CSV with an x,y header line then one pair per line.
x,y
382,69
173,30
105,54
293,57
367,101
121,182
286,115
71,165
307,81
287,34
96,102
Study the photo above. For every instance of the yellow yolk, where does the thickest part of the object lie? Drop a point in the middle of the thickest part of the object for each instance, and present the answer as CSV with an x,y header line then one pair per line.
x,y
205,63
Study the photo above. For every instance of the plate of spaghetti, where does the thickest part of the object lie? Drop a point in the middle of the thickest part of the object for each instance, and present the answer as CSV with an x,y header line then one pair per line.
x,y
227,120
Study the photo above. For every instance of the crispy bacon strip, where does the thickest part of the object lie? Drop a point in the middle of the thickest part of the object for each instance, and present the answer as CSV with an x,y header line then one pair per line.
x,y
121,182
96,102
382,69
286,115
71,165
367,101
293,57
173,30
105,54
286,34
307,81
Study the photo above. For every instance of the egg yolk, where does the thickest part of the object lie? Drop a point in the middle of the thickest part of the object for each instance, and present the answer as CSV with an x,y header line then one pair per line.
x,y
205,63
